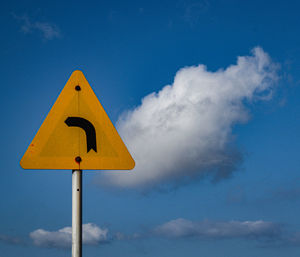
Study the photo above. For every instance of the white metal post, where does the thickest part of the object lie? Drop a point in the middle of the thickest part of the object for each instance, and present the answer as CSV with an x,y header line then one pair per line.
x,y
77,213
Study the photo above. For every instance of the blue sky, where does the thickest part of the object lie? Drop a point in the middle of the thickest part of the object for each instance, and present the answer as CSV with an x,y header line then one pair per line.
x,y
217,150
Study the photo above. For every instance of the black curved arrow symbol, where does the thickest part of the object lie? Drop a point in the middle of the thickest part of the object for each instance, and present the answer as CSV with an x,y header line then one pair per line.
x,y
89,129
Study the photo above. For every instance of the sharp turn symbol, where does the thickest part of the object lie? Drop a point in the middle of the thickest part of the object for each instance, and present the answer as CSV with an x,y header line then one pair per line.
x,y
89,129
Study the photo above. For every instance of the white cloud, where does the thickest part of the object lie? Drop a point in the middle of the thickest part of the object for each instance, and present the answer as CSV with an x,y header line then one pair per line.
x,y
92,234
49,31
185,130
218,230
62,238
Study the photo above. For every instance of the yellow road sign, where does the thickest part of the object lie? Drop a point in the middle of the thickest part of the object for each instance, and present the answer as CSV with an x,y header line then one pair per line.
x,y
77,134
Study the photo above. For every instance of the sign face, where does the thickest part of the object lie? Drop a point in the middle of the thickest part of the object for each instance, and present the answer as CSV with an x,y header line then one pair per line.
x,y
77,134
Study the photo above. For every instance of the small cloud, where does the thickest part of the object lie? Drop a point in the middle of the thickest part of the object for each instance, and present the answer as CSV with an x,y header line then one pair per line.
x,y
48,31
62,238
180,228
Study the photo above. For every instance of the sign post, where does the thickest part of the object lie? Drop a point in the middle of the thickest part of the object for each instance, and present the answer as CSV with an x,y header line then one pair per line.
x,y
76,213
77,135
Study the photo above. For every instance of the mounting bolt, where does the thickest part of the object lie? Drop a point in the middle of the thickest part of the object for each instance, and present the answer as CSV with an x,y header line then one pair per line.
x,y
77,88
78,159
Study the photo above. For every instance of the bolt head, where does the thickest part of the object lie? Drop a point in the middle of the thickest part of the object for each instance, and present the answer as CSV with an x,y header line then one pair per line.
x,y
78,159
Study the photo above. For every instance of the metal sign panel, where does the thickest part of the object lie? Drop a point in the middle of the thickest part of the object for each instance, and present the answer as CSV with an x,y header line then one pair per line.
x,y
77,134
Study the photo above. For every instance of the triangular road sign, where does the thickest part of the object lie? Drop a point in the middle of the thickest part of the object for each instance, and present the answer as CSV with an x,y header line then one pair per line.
x,y
77,134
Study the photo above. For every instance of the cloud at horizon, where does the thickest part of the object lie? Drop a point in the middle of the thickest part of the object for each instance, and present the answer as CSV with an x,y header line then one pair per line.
x,y
62,238
270,234
180,228
184,131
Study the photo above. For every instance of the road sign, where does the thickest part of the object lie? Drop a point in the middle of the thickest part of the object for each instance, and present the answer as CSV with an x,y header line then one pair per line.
x,y
77,134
